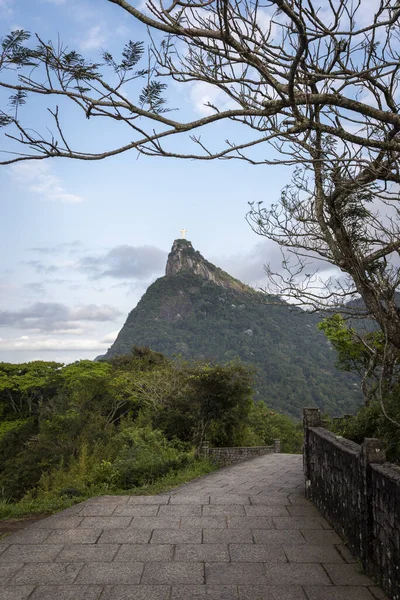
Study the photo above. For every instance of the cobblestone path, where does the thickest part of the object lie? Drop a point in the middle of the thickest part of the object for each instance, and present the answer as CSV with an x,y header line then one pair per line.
x,y
245,532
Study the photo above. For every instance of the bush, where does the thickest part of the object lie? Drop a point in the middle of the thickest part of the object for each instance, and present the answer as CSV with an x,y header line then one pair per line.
x,y
145,455
370,422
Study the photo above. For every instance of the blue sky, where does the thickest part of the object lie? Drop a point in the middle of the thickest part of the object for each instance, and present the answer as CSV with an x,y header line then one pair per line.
x,y
82,241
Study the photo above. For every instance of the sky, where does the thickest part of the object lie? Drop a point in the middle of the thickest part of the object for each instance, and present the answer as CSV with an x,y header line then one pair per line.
x,y
81,242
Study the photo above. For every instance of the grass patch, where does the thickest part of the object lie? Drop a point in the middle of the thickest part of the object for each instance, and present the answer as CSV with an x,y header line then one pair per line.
x,y
171,480
49,505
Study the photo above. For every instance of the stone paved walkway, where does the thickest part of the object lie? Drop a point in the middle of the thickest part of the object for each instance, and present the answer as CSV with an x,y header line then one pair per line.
x,y
242,533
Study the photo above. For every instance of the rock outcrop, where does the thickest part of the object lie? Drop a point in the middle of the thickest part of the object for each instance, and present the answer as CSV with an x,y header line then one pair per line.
x,y
183,258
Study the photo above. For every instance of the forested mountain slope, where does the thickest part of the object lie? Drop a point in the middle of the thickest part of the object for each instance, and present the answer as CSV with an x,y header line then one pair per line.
x,y
199,311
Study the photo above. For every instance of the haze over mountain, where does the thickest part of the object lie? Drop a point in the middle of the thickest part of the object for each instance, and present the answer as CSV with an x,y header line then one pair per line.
x,y
199,311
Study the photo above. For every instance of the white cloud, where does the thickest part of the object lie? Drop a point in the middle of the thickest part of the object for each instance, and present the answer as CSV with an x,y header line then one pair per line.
x,y
95,38
201,94
38,179
6,288
53,344
248,267
71,247
94,312
138,262
265,24
77,331
110,337
56,317
6,8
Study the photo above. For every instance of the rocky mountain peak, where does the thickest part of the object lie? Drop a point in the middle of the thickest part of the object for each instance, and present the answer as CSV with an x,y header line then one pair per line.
x,y
183,258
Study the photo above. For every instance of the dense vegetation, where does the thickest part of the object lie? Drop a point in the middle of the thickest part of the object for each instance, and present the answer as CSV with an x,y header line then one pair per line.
x,y
189,316
361,348
69,432
371,422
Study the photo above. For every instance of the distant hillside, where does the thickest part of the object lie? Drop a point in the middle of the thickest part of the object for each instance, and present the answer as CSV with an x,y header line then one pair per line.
x,y
199,311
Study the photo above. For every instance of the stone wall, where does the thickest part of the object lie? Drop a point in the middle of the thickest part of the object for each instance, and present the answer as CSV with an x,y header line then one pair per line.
x,y
229,456
359,494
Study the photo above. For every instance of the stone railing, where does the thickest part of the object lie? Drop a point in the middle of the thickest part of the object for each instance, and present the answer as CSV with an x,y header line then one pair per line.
x,y
229,456
359,494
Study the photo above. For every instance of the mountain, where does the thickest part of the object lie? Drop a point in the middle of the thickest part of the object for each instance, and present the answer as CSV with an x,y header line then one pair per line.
x,y
199,311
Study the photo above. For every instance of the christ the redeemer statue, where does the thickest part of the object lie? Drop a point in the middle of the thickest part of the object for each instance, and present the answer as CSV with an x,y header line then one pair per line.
x,y
183,232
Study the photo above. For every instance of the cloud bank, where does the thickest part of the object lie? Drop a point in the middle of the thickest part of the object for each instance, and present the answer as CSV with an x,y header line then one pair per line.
x,y
121,262
38,178
57,317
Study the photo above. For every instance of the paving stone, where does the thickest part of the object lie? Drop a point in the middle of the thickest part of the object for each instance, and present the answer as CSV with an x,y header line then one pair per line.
x,y
97,510
144,552
73,511
67,592
300,510
74,536
57,522
136,592
136,510
250,523
295,574
54,573
297,523
28,536
202,553
325,524
227,536
148,500
270,500
222,573
85,553
16,592
299,499
176,536
270,592
256,489
3,547
173,573
234,510
180,510
192,499
337,593
105,522
281,537
266,511
108,500
377,593
256,553
203,522
313,553
7,570
321,536
204,592
345,574
30,553
103,573
230,499
155,522
125,536
346,554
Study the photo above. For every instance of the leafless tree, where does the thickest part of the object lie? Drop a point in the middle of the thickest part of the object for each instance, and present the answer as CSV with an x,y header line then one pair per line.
x,y
315,81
